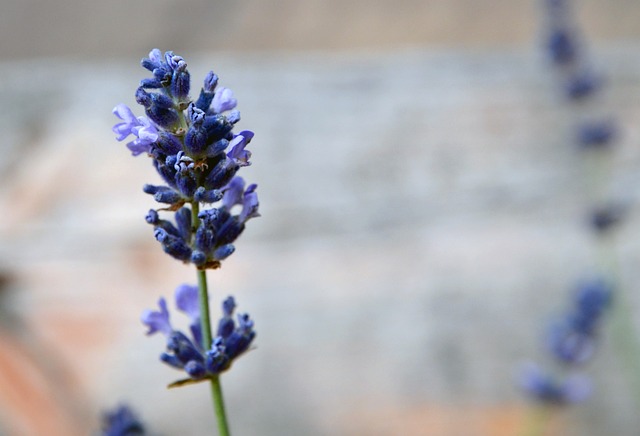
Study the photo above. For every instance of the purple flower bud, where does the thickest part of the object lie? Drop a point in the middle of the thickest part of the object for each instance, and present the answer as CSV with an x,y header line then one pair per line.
x,y
158,107
223,252
174,62
196,370
217,360
582,85
569,345
181,82
228,306
606,217
166,170
168,143
173,245
198,258
562,46
152,217
168,197
213,150
233,117
229,231
195,141
221,174
182,347
217,127
210,83
212,218
154,61
186,183
171,360
238,342
226,326
203,196
183,220
544,388
596,134
204,240
151,83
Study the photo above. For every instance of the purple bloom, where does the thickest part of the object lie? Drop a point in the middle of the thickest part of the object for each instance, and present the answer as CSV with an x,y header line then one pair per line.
x,y
569,345
233,193
249,204
187,300
606,217
543,387
157,321
121,422
145,132
188,354
596,133
223,100
562,46
238,153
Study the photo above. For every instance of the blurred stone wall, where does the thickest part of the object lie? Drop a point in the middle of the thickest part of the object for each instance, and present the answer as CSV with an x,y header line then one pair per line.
x,y
422,218
31,28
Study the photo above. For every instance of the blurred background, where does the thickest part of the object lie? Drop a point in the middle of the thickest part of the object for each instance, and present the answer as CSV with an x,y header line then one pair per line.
x,y
423,212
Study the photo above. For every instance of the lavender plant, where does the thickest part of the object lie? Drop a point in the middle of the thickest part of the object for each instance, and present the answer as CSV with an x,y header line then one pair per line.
x,y
122,421
571,340
193,148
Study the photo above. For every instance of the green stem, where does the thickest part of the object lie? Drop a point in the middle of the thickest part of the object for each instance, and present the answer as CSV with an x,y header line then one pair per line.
x,y
622,326
205,325
205,320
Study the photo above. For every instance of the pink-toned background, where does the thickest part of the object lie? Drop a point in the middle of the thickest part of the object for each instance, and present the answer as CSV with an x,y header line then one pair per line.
x,y
421,198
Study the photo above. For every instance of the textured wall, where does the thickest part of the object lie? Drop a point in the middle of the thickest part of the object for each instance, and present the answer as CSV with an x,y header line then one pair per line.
x,y
31,28
421,220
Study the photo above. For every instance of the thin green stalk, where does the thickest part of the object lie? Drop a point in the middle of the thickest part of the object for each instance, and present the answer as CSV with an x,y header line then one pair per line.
x,y
622,326
205,325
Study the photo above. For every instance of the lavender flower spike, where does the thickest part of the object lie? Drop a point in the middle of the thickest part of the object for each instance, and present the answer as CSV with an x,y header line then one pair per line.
x,y
197,155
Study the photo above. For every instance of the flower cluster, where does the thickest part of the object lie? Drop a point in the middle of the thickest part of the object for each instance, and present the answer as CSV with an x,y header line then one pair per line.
x,y
550,390
571,340
122,422
567,52
197,154
187,353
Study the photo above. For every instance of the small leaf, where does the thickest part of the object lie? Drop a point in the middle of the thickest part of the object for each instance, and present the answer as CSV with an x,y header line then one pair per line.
x,y
185,382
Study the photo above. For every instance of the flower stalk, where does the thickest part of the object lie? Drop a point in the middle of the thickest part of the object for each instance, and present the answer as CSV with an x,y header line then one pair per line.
x,y
196,153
